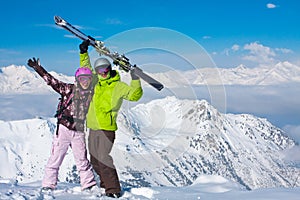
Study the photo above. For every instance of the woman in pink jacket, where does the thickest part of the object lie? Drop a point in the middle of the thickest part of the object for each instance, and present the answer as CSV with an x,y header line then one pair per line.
x,y
71,115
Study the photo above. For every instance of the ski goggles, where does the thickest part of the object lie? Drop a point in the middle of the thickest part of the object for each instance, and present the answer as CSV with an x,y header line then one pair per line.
x,y
84,78
100,70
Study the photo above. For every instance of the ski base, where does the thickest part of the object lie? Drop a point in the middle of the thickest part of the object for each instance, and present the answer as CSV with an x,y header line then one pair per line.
x,y
120,60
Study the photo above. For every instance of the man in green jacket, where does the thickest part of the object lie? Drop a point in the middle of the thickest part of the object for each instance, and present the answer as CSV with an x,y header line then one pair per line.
x,y
109,93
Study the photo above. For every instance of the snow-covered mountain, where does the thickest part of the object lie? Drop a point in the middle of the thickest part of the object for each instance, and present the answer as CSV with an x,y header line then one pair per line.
x,y
166,142
283,72
188,138
18,79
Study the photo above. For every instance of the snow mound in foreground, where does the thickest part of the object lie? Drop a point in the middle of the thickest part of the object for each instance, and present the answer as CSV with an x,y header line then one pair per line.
x,y
205,187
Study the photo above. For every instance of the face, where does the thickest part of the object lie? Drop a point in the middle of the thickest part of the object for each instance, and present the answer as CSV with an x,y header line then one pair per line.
x,y
103,73
84,81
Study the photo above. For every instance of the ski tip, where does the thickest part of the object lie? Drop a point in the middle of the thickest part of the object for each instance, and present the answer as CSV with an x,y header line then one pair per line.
x,y
58,20
159,87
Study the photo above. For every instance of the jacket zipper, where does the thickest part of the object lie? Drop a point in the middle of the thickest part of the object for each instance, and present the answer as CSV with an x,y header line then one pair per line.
x,y
111,119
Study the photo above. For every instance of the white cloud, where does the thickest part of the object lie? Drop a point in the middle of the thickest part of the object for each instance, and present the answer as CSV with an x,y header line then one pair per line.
x,y
271,5
8,51
113,21
98,37
284,50
70,36
206,37
292,155
235,47
228,51
58,27
293,132
259,53
297,62
73,51
73,36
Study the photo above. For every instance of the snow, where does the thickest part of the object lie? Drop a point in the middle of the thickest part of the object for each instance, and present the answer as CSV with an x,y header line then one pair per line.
x,y
166,148
282,72
20,80
152,156
206,187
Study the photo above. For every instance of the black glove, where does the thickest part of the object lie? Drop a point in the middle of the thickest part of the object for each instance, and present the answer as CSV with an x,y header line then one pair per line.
x,y
133,75
33,63
84,46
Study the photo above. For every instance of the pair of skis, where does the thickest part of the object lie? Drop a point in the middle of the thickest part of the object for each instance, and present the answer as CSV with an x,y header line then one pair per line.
x,y
120,60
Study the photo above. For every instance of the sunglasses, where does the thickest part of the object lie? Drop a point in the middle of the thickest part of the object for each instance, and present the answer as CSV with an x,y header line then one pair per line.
x,y
102,70
84,78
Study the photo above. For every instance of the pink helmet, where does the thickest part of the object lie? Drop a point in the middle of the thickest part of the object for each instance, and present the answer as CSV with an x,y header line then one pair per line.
x,y
85,71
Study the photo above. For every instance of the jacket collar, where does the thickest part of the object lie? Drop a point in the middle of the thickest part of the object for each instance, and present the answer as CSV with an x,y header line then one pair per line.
x,y
115,76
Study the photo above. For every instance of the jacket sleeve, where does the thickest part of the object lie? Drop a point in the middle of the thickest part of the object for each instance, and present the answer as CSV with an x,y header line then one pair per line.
x,y
84,60
132,92
60,87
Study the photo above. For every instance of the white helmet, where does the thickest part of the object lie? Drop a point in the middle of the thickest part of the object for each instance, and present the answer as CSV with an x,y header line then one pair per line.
x,y
102,63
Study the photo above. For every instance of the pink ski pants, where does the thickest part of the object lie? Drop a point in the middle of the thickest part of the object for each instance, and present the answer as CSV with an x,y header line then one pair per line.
x,y
76,140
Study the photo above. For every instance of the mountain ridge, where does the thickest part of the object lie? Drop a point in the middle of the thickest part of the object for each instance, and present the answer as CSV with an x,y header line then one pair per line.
x,y
18,79
213,129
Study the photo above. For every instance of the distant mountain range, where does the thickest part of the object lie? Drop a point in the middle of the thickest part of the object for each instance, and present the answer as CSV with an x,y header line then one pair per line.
x,y
19,79
166,142
283,72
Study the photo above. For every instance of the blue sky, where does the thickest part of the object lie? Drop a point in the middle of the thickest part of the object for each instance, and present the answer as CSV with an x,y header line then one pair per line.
x,y
250,32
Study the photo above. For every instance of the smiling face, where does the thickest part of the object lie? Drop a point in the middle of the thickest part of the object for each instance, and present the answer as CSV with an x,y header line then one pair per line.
x,y
84,81
104,73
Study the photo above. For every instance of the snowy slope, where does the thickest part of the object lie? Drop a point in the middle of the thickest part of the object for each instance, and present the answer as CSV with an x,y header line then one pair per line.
x,y
190,138
205,187
24,149
187,140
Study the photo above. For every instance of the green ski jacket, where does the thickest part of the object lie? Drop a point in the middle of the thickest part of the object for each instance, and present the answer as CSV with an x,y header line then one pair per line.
x,y
108,97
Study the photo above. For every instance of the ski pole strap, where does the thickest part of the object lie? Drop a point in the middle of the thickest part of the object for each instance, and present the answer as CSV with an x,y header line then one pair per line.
x,y
57,127
63,105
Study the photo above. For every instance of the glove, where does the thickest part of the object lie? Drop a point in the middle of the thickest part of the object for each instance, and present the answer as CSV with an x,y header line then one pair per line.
x,y
84,46
133,75
33,63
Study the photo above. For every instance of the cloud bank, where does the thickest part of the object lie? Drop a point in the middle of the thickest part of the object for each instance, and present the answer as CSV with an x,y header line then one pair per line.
x,y
271,5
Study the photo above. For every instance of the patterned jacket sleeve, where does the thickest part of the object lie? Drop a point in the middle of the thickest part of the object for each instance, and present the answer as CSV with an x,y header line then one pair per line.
x,y
59,86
